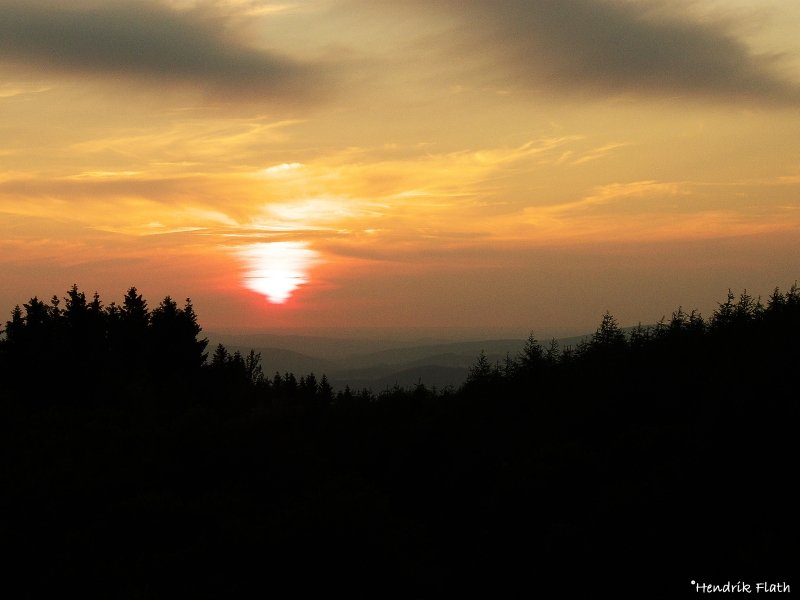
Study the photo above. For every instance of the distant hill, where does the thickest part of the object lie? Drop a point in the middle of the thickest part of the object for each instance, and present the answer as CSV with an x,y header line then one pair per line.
x,y
282,360
461,354
374,364
377,364
381,378
327,347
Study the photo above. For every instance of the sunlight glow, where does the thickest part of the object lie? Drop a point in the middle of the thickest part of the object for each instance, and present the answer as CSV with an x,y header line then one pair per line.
x,y
277,269
282,168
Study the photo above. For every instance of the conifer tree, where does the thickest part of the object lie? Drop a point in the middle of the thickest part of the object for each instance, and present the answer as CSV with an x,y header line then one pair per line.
x,y
532,355
608,334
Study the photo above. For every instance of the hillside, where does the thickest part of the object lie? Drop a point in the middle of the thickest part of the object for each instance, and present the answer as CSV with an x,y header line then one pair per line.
x,y
370,363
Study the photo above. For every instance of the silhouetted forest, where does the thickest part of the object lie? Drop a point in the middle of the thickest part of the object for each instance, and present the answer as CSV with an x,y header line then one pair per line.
x,y
136,462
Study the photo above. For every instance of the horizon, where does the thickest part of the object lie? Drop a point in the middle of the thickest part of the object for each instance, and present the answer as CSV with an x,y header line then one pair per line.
x,y
420,169
406,335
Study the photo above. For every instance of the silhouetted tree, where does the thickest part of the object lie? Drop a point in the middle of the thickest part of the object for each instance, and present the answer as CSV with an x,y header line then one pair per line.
x,y
480,373
128,333
747,309
308,387
75,307
252,366
325,390
639,338
608,335
552,353
289,386
15,328
277,382
344,396
725,313
532,357
174,345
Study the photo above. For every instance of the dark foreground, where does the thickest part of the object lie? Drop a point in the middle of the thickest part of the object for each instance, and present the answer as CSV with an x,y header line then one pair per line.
x,y
132,467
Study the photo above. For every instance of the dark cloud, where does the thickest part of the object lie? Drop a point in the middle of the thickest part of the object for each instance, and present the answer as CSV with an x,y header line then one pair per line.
x,y
146,40
611,48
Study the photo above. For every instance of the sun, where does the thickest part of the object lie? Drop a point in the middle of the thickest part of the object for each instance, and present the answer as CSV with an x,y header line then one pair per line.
x,y
276,269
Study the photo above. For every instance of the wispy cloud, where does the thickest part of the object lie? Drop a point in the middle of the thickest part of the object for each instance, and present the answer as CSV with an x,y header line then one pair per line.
x,y
9,89
652,210
151,41
349,194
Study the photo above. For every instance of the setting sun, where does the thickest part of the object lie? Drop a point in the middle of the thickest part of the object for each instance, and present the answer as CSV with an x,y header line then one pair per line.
x,y
276,269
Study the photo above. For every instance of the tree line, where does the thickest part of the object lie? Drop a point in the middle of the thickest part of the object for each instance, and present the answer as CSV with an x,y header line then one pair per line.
x,y
137,462
78,350
81,349
744,324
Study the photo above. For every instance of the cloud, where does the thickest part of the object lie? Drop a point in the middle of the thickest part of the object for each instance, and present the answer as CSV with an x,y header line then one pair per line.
x,y
651,210
610,48
147,40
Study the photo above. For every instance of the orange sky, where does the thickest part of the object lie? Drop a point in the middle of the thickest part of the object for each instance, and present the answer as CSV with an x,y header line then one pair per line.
x,y
508,165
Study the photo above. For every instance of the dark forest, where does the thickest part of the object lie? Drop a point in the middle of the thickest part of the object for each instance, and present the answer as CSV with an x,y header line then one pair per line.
x,y
137,462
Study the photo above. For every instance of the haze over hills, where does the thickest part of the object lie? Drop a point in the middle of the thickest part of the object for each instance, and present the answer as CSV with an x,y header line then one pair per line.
x,y
373,362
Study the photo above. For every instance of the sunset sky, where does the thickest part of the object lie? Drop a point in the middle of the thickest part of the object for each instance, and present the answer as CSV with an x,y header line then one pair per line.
x,y
504,165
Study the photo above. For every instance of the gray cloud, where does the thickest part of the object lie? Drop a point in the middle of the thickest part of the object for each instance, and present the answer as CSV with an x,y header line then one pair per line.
x,y
611,48
146,40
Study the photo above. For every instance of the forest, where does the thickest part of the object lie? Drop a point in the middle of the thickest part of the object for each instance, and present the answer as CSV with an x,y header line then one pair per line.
x,y
137,462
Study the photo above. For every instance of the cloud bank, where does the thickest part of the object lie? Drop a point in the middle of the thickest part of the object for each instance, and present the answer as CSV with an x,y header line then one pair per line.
x,y
147,40
610,48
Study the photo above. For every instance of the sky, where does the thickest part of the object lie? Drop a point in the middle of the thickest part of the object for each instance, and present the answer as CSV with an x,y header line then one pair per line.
x,y
341,165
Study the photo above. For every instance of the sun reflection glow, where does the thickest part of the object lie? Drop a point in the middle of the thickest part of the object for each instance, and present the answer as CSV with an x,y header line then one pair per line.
x,y
277,269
